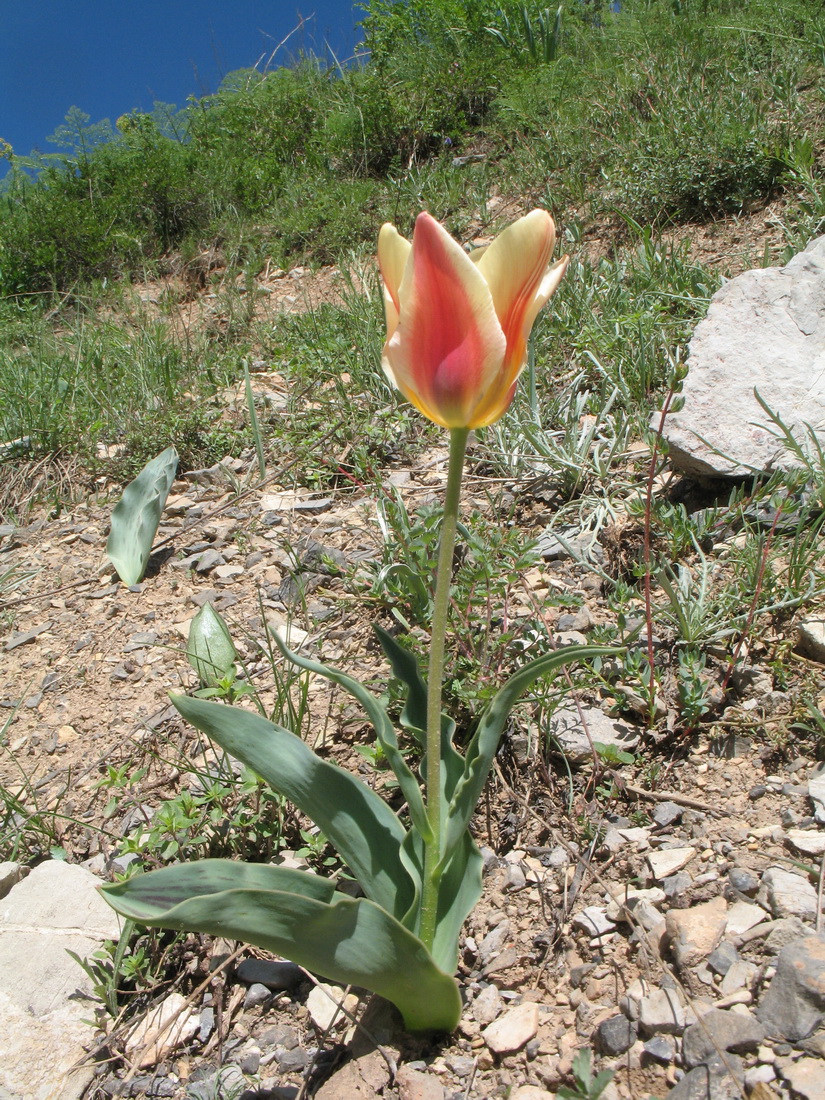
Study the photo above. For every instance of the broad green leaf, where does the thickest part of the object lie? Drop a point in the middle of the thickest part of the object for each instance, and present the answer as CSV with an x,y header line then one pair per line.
x,y
351,941
360,825
210,649
384,731
136,516
405,667
414,716
484,743
459,889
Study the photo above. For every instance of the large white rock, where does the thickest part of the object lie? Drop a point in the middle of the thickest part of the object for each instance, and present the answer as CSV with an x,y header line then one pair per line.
x,y
43,991
765,329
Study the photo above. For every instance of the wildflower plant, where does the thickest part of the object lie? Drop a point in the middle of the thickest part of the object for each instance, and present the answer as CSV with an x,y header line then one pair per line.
x,y
457,331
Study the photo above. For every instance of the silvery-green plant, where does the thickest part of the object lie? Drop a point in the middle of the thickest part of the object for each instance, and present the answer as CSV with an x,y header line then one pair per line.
x,y
457,332
137,514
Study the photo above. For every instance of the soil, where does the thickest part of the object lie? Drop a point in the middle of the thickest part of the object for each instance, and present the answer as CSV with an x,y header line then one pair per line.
x,y
86,671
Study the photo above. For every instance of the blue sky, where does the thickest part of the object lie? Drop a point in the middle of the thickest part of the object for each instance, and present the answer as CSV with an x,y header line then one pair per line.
x,y
108,57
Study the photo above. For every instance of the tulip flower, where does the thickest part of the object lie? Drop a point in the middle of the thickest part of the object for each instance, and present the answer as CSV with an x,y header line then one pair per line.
x,y
457,331
458,324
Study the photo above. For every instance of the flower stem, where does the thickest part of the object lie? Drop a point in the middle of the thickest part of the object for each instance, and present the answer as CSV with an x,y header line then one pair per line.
x,y
435,678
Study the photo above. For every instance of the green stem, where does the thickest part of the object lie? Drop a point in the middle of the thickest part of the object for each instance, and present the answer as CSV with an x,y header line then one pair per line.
x,y
435,678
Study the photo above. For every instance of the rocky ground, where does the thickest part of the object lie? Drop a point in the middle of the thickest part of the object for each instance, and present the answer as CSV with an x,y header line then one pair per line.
x,y
664,914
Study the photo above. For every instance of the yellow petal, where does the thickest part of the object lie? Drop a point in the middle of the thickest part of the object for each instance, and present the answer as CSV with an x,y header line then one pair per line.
x,y
393,253
514,266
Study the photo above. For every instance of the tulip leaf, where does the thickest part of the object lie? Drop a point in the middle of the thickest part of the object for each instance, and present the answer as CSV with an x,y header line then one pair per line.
x,y
459,889
360,825
484,743
384,731
351,941
136,516
414,715
210,649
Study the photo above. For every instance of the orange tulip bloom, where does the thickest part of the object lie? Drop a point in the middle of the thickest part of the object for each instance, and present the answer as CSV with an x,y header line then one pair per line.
x,y
458,324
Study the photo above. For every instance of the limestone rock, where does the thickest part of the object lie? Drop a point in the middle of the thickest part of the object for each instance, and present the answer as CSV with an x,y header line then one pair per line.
x,y
693,933
42,1029
173,1022
323,1005
415,1085
513,1030
765,329
486,1006
567,729
806,1077
667,861
810,639
787,894
661,1011
362,1079
10,875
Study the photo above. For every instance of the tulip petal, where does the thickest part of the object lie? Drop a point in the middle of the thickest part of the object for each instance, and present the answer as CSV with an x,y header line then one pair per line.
x,y
447,350
393,253
514,266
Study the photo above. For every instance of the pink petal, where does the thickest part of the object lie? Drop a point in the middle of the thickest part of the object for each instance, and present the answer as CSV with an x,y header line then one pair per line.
x,y
448,349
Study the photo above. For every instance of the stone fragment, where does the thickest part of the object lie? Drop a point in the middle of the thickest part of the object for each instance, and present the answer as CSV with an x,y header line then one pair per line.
x,y
712,1081
667,813
513,1030
794,1004
631,999
271,973
208,560
594,921
785,931
806,1077
661,1011
674,885
415,1085
10,875
324,1005
693,933
582,620
486,1006
361,1079
740,976
567,729
615,1035
816,793
43,991
764,330
717,1030
759,1075
659,1049
723,957
173,1022
667,861
256,996
626,898
743,915
787,894
810,639
531,1092
811,842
